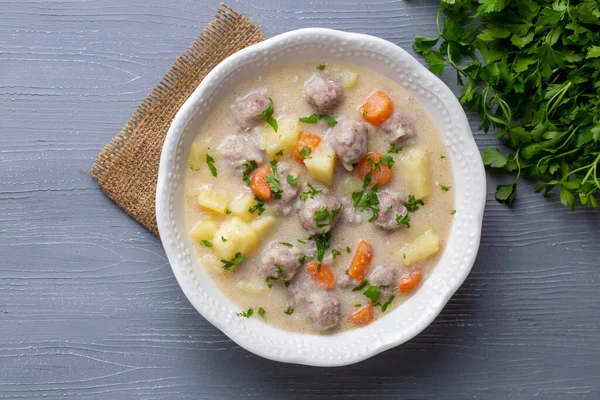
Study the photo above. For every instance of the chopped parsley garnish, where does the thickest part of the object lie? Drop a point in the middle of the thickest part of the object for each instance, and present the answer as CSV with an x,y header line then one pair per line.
x,y
321,215
206,243
248,168
289,310
211,165
314,118
291,180
348,249
335,253
286,244
374,164
312,192
322,243
367,200
228,211
358,305
273,180
223,239
227,265
194,169
305,152
452,212
246,314
279,153
267,114
365,112
259,206
302,241
404,255
403,220
261,312
413,204
442,157
445,188
386,160
394,150
361,286
303,259
373,293
385,305
321,67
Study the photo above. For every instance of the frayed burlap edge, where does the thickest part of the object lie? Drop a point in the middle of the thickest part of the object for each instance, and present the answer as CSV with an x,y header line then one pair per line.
x,y
127,167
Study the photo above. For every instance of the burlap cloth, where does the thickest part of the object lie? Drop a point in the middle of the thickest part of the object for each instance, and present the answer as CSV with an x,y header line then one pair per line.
x,y
127,168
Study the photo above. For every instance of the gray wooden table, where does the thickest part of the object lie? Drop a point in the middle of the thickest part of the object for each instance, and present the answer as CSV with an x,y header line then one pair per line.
x,y
89,307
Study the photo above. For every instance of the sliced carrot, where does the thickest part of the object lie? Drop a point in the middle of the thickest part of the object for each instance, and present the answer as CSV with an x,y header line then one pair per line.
x,y
322,274
361,262
381,174
377,108
409,281
309,140
259,185
362,316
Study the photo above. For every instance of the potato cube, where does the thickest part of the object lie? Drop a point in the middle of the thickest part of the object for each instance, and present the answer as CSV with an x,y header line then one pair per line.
x,y
420,248
240,205
284,139
350,184
204,230
210,198
197,156
347,78
239,236
211,263
321,165
251,288
415,166
263,224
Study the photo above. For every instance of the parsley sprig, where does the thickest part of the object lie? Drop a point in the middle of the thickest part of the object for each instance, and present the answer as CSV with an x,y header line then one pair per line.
x,y
267,114
531,71
367,199
314,118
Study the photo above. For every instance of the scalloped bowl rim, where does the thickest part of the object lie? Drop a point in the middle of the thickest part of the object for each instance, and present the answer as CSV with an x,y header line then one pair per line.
x,y
347,347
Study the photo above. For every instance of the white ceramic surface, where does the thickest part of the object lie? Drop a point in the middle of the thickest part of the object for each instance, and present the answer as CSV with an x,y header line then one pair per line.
x,y
459,252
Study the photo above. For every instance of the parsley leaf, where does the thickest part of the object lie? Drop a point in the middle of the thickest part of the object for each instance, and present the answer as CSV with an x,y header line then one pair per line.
x,y
259,206
385,305
206,243
286,244
246,314
261,312
227,265
321,67
361,286
305,152
211,165
394,150
403,220
335,253
248,168
279,153
273,180
413,204
291,180
386,160
348,249
445,188
311,192
314,118
373,293
367,200
322,244
289,310
267,114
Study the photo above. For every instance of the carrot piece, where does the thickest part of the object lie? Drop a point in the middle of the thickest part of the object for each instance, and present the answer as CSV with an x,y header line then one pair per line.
x,y
381,174
259,185
309,140
362,316
377,108
322,274
409,281
361,262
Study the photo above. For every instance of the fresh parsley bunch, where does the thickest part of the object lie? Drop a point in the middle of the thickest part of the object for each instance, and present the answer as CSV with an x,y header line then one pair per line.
x,y
530,69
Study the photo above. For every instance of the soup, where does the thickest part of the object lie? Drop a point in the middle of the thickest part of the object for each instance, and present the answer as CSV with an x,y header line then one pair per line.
x,y
318,196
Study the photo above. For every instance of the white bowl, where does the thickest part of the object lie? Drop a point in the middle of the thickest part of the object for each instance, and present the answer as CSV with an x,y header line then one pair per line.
x,y
469,189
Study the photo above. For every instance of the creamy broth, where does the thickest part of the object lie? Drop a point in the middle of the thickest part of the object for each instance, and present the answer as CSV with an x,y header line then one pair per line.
x,y
245,282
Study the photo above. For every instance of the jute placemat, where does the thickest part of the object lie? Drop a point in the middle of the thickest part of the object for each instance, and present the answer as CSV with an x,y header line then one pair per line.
x,y
127,167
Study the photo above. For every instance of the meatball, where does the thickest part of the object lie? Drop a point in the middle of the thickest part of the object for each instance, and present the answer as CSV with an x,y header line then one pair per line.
x,y
383,275
319,214
296,295
288,191
349,141
390,207
322,93
397,129
280,261
323,310
245,110
240,149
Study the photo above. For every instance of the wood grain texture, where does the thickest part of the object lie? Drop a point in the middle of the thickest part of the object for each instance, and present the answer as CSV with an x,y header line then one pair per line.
x,y
89,307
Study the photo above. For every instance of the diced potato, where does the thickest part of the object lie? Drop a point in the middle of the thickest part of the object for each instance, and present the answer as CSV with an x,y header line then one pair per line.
x,y
415,166
197,159
252,288
204,230
347,78
285,138
321,165
241,238
263,224
240,205
210,198
211,263
350,184
420,249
